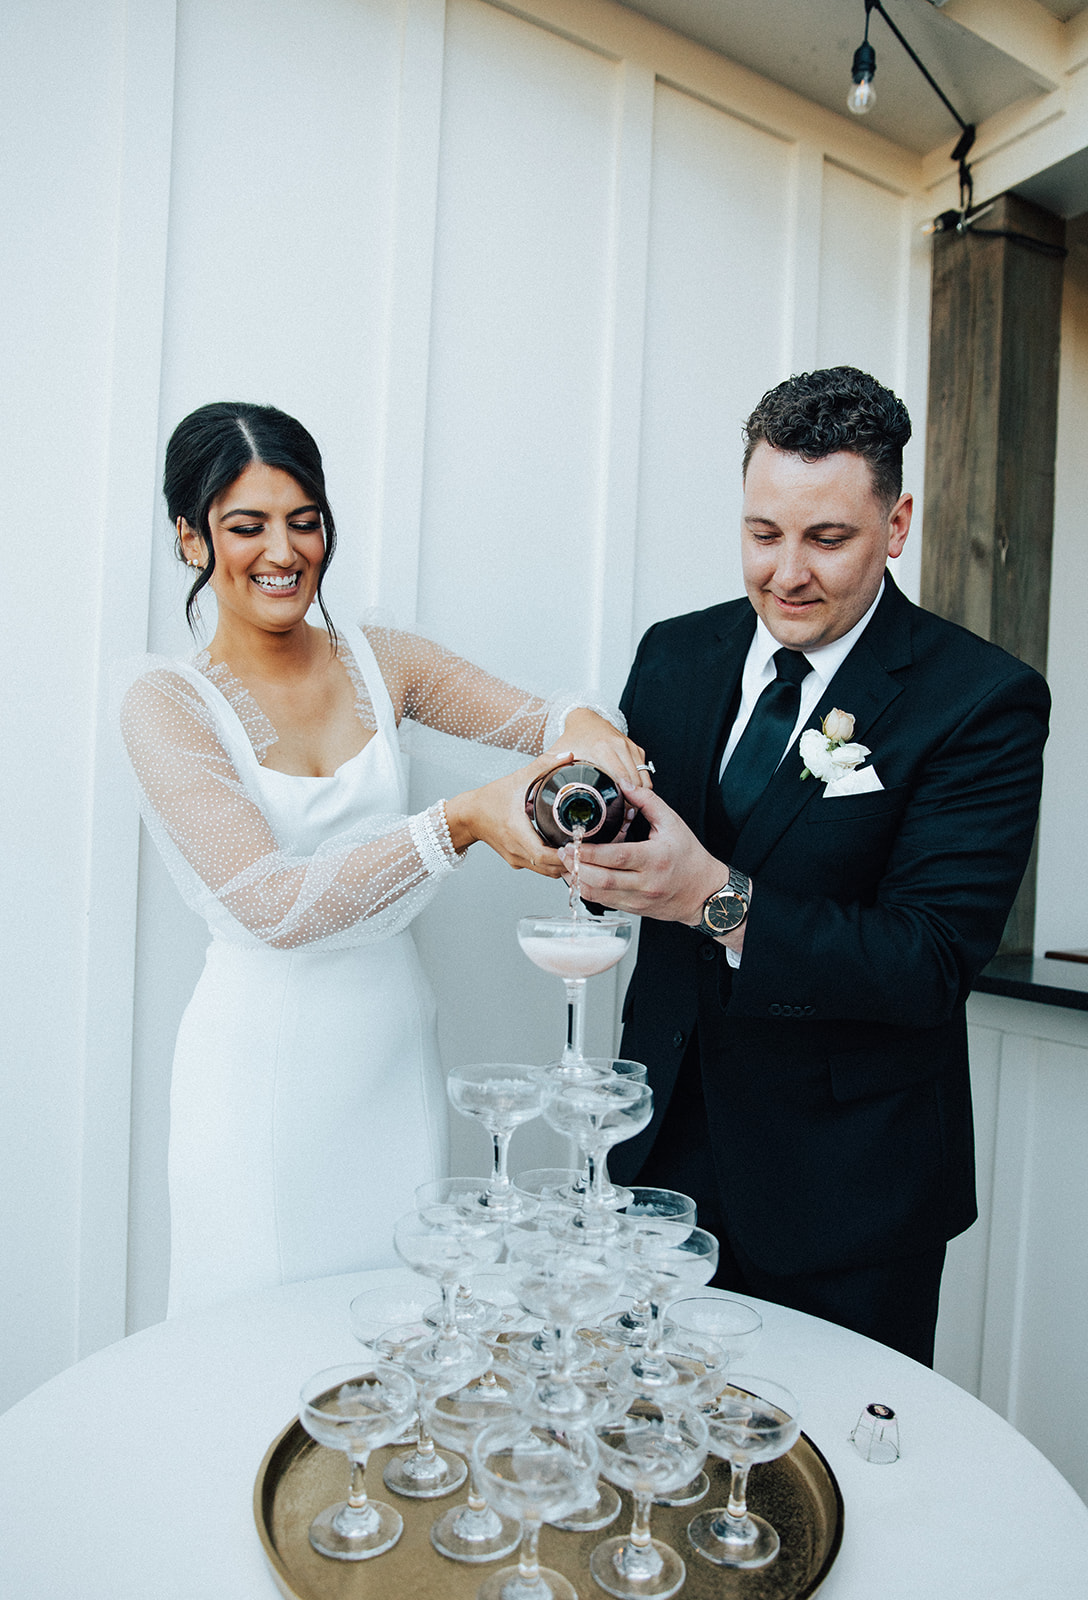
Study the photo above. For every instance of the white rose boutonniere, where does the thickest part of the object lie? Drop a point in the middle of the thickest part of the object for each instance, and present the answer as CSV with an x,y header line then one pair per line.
x,y
829,754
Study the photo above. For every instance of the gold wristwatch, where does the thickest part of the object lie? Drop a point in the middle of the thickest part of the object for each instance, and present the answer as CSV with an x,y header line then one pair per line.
x,y
728,908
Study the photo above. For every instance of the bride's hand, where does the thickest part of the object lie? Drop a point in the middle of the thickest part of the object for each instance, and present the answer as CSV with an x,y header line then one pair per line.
x,y
595,740
495,814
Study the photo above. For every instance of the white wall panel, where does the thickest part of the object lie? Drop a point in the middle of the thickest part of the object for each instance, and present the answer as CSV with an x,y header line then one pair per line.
x,y
286,118
512,478
60,115
862,276
1011,1326
716,337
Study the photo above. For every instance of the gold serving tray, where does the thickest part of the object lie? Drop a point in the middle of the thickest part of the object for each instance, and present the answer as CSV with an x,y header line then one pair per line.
x,y
798,1494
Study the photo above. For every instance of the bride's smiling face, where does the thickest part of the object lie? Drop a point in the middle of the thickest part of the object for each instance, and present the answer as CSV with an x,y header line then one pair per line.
x,y
269,544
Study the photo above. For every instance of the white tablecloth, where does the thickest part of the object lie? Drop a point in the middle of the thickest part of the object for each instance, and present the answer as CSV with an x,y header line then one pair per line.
x,y
130,1476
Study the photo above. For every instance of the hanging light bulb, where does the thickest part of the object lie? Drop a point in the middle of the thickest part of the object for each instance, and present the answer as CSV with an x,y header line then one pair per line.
x,y
862,96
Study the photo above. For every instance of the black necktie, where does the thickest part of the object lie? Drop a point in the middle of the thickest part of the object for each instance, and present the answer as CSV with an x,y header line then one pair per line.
x,y
761,745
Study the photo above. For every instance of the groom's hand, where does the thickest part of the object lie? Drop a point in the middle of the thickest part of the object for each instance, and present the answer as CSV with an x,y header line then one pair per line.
x,y
667,876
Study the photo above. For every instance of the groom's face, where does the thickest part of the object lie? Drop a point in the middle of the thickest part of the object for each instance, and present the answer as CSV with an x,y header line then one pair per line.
x,y
814,542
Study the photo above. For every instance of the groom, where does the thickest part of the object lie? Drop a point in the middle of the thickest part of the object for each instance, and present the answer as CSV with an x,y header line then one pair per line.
x,y
813,923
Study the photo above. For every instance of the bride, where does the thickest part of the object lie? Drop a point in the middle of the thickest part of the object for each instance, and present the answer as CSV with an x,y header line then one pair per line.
x,y
307,1099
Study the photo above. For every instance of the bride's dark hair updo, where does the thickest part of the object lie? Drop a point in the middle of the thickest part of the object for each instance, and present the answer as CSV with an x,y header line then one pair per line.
x,y
213,446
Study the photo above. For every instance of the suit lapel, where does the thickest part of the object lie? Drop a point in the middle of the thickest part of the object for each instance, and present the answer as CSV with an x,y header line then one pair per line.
x,y
715,678
864,687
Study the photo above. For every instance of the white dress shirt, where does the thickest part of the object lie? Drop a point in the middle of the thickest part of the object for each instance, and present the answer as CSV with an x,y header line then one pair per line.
x,y
759,670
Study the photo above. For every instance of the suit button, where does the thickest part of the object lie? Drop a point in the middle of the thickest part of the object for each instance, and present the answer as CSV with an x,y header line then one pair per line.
x,y
776,1011
678,1038
708,951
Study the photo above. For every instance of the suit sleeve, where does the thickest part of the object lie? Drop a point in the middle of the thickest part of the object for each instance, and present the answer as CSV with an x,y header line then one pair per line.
x,y
905,945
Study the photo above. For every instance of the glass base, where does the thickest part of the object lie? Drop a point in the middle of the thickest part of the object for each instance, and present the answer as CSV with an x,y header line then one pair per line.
x,y
613,1196
626,1328
627,1570
467,1535
424,1477
535,1353
347,1533
470,1315
689,1495
728,1542
446,1353
606,1510
508,1584
505,1205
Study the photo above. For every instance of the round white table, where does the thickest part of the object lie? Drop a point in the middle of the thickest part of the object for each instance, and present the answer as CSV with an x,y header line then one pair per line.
x,y
131,1474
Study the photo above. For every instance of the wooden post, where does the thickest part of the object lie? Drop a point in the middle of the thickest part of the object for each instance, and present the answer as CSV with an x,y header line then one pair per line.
x,y
990,440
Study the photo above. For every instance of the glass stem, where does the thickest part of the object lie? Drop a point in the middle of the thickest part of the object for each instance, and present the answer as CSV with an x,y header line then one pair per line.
x,y
640,1525
500,1180
564,1351
652,1345
595,1160
576,1019
528,1554
449,1316
476,1501
357,1493
737,1506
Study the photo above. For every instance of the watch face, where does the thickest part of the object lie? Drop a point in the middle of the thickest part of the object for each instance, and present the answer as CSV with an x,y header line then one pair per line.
x,y
723,912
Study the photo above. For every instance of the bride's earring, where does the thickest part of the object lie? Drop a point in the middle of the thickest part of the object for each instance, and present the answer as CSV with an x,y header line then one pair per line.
x,y
189,561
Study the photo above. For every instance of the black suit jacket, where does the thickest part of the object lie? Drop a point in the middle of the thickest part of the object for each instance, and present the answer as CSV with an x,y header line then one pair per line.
x,y
834,1059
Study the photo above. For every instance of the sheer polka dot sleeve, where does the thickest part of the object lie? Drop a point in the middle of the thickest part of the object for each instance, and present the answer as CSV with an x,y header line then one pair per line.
x,y
366,883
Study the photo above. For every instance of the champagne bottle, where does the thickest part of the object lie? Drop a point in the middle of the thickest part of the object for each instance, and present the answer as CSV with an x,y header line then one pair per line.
x,y
575,799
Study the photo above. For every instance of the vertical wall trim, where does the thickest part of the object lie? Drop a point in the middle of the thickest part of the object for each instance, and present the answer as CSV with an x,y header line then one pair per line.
x,y
623,383
394,576
1009,1225
142,220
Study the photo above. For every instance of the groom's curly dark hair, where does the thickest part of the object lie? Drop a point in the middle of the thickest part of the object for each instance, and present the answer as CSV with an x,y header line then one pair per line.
x,y
817,414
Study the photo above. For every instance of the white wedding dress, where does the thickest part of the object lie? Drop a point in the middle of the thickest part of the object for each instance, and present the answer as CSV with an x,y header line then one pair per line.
x,y
307,1099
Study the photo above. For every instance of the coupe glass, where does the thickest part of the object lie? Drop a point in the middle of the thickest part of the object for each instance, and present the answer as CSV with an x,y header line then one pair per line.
x,y
564,1279
753,1420
447,1243
598,1114
355,1409
472,1532
536,1472
665,1259
595,1067
632,1325
725,1332
392,1324
732,1327
575,948
479,1317
501,1095
649,1453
